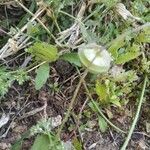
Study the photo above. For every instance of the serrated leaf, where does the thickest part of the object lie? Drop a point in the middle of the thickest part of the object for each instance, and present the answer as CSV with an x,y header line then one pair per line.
x,y
102,124
132,53
73,58
7,78
41,143
42,75
44,51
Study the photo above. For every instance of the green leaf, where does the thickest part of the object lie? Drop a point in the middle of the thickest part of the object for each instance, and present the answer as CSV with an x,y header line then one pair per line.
x,y
73,58
102,124
7,77
143,37
44,51
77,144
132,53
115,45
32,30
21,76
116,101
42,75
91,105
101,91
41,143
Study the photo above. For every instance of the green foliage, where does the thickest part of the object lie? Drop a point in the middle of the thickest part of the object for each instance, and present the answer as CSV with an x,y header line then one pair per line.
x,y
115,45
101,91
44,128
27,15
126,77
57,5
42,74
41,143
44,51
131,52
85,34
77,144
145,66
108,93
102,25
45,139
102,124
144,36
110,90
140,8
32,29
54,87
108,3
7,78
124,50
73,58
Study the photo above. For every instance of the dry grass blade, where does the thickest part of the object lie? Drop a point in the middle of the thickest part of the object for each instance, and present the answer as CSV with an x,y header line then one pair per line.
x,y
19,40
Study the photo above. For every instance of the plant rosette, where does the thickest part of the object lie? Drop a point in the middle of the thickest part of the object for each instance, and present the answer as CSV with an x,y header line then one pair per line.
x,y
95,57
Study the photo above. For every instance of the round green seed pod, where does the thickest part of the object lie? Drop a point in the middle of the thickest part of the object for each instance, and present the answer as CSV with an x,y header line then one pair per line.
x,y
96,58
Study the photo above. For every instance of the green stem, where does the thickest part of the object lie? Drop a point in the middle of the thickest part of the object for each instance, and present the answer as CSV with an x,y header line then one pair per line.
x,y
109,122
136,116
100,112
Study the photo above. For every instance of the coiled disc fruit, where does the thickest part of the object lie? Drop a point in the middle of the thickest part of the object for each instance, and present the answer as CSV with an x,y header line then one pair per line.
x,y
95,57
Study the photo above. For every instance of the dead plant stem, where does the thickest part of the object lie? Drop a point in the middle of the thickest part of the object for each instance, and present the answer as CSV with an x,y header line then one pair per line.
x,y
72,102
42,24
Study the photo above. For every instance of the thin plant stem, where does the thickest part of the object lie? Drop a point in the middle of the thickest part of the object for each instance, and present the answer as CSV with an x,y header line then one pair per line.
x,y
107,120
47,30
99,111
136,116
36,66
5,50
74,98
72,102
76,19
